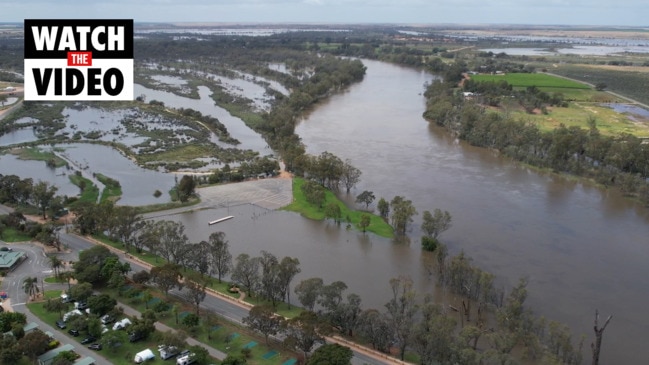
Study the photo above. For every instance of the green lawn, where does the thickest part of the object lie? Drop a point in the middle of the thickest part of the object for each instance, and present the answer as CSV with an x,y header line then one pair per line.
x,y
13,235
377,225
89,191
533,79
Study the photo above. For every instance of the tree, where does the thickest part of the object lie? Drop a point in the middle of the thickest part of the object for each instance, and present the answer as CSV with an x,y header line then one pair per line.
x,y
186,188
101,304
65,358
332,210
331,354
112,340
308,291
599,331
196,290
200,355
90,264
364,222
384,208
402,309
402,213
94,327
43,193
246,272
55,306
34,344
350,175
81,291
55,264
30,286
435,224
305,331
314,193
373,326
288,268
234,360
263,319
167,239
141,277
166,277
221,258
126,223
366,197
270,286
345,315
191,320
9,319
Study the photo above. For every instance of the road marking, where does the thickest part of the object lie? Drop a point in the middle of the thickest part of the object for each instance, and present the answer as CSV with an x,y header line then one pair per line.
x,y
13,305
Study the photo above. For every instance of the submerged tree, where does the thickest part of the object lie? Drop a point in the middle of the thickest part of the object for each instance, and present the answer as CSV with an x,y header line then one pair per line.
x,y
597,346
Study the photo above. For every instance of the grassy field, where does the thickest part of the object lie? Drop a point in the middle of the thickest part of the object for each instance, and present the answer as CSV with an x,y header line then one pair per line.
x,y
541,81
113,190
609,122
89,191
39,155
301,205
12,235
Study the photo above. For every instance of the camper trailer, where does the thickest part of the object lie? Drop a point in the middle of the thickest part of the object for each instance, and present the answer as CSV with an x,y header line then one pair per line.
x,y
144,355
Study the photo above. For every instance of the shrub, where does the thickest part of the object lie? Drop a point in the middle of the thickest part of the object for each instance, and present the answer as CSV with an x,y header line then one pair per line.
x,y
429,243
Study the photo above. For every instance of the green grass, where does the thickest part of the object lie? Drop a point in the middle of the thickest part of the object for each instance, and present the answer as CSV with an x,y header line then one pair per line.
x,y
377,225
533,79
113,189
13,235
52,280
89,191
40,155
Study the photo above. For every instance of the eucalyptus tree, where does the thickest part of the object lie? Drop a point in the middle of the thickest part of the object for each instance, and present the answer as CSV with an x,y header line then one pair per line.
x,y
288,268
219,252
402,309
246,272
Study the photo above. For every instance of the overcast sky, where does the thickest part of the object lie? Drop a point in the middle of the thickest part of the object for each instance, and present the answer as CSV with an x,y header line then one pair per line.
x,y
568,12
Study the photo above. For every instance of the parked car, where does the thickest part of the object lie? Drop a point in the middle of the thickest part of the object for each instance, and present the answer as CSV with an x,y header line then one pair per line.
x,y
88,339
80,305
73,332
107,318
3,248
135,336
60,324
95,346
65,298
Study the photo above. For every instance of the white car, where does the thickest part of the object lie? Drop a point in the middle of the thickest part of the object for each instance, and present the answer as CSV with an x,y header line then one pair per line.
x,y
119,325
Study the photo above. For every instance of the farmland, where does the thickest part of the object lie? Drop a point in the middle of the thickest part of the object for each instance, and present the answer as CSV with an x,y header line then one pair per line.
x,y
533,79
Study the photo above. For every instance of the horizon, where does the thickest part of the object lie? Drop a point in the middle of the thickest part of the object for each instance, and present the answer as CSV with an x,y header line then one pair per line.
x,y
592,13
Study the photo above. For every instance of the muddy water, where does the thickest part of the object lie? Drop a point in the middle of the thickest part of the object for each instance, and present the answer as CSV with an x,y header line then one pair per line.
x,y
582,248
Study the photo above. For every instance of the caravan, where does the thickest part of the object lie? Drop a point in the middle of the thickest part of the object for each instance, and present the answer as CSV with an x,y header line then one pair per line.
x,y
144,355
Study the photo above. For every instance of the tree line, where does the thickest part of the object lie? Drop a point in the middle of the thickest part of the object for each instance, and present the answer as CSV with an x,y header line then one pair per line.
x,y
621,161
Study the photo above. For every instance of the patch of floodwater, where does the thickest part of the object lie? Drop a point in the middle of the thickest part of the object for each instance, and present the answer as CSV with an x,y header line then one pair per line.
x,y
105,124
21,135
279,67
575,50
236,127
169,80
38,170
258,79
628,109
138,184
519,51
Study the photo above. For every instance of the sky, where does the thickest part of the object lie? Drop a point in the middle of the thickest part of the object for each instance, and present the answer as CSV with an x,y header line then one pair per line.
x,y
537,12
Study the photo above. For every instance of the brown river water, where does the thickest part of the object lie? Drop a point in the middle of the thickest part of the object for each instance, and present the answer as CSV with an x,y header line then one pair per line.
x,y
581,247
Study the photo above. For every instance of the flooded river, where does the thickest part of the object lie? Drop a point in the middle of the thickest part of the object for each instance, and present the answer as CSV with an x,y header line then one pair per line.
x,y
582,248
